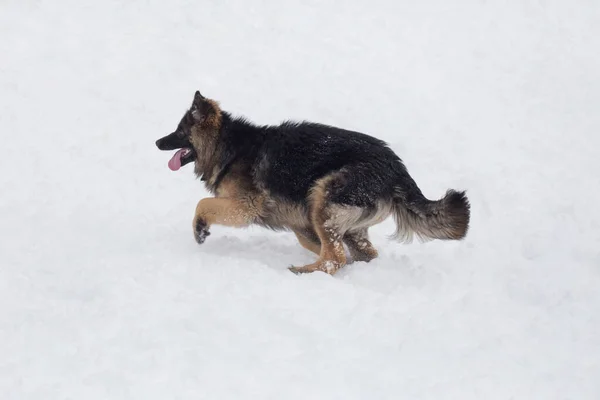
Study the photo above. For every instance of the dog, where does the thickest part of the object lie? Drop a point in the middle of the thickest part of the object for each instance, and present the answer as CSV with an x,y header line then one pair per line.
x,y
326,184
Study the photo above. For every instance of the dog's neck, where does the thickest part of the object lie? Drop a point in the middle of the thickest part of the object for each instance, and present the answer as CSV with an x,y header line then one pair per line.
x,y
223,155
213,165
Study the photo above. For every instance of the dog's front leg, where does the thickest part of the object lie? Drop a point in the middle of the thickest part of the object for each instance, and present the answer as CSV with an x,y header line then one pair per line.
x,y
223,211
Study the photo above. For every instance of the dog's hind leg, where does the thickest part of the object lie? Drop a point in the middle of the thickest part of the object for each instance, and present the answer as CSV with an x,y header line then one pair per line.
x,y
309,240
236,212
329,221
360,246
331,253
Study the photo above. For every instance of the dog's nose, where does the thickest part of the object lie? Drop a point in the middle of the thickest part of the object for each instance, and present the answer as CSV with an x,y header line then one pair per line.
x,y
158,143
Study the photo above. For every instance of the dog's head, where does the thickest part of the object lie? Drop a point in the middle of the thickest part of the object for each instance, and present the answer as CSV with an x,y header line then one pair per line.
x,y
195,135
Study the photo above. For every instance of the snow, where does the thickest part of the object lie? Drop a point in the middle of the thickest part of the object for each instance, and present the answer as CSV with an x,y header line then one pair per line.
x,y
104,293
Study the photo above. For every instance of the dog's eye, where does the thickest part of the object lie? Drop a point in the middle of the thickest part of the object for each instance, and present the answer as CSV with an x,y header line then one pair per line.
x,y
189,118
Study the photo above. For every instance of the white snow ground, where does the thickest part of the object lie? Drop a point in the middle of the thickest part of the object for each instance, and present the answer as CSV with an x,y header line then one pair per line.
x,y
105,295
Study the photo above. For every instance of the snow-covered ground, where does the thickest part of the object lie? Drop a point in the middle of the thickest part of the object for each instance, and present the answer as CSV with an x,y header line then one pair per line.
x,y
105,295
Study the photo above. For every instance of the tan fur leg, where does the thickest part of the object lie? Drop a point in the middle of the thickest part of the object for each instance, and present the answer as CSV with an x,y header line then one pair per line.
x,y
222,211
332,256
308,243
225,211
359,245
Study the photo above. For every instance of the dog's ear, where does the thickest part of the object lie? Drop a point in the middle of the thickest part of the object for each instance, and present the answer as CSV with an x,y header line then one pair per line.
x,y
198,97
199,107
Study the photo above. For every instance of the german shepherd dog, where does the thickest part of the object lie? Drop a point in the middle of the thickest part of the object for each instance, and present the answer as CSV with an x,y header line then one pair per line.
x,y
327,185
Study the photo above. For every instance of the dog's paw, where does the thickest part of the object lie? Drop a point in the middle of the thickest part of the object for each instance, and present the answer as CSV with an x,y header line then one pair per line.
x,y
200,231
328,267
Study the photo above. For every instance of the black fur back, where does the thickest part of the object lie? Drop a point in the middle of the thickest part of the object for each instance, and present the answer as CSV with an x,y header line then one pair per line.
x,y
289,158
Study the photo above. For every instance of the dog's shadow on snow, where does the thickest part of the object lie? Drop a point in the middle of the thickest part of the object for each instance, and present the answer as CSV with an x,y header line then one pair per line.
x,y
274,251
280,251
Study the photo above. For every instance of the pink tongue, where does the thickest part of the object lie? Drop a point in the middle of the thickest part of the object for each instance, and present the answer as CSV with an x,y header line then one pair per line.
x,y
175,161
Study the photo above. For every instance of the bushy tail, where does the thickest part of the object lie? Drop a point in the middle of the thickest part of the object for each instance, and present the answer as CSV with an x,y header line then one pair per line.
x,y
445,219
